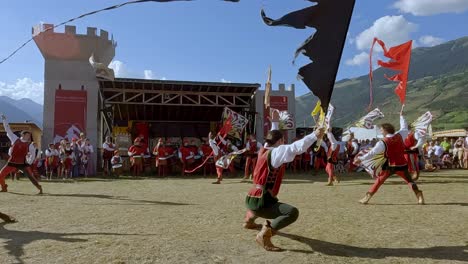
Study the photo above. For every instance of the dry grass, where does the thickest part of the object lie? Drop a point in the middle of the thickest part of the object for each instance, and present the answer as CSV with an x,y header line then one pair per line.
x,y
192,221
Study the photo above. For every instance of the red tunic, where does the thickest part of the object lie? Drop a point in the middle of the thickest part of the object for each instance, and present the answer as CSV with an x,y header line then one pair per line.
x,y
186,152
264,175
251,152
410,140
137,150
206,149
332,155
394,151
350,147
307,154
18,152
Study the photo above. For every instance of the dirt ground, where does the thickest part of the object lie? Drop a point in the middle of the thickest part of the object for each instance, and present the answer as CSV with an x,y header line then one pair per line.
x,y
189,220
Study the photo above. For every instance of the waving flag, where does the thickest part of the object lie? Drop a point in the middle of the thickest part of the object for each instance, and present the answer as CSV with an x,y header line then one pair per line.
x,y
331,19
400,57
374,165
367,121
421,125
236,121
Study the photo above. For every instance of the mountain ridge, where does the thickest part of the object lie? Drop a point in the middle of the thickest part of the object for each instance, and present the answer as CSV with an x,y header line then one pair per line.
x,y
438,81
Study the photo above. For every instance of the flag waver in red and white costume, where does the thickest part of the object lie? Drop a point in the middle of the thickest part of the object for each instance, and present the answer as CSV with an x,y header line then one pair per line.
x,y
393,148
261,200
22,155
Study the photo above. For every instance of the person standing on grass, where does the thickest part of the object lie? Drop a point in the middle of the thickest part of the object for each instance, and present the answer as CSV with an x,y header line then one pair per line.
x,y
332,159
88,151
458,152
445,145
22,155
393,149
261,200
251,154
108,149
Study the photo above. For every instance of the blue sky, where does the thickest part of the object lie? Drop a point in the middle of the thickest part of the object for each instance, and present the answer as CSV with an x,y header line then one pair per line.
x,y
212,40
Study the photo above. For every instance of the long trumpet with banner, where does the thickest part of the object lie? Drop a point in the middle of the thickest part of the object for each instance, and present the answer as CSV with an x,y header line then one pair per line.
x,y
237,121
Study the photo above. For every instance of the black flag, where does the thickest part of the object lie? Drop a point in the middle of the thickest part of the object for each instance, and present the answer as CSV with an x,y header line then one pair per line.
x,y
331,19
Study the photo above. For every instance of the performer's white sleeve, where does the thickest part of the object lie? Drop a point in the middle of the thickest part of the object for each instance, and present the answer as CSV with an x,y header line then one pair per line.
x,y
379,148
259,146
10,133
247,145
214,147
32,153
403,127
107,147
286,153
333,141
48,153
355,147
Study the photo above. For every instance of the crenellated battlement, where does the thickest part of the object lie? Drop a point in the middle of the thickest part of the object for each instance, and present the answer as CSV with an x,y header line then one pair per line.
x,y
70,30
70,46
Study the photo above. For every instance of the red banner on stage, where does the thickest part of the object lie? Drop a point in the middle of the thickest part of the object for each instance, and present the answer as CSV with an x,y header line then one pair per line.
x,y
70,114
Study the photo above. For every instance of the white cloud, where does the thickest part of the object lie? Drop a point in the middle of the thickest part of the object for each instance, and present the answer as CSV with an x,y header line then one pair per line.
x,y
431,7
121,70
359,59
24,88
225,81
148,74
430,41
393,30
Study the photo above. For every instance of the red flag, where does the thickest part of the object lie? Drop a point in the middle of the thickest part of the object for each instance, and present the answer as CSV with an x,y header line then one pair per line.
x,y
400,57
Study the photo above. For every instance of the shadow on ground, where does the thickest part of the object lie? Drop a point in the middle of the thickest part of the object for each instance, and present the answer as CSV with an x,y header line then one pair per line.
x,y
458,253
103,196
15,241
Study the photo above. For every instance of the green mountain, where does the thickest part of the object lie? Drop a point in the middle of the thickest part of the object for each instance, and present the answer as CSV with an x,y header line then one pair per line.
x,y
438,82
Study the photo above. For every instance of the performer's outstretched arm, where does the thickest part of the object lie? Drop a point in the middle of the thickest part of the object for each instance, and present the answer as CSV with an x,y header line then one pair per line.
x,y
214,146
403,124
378,149
332,139
10,133
286,153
